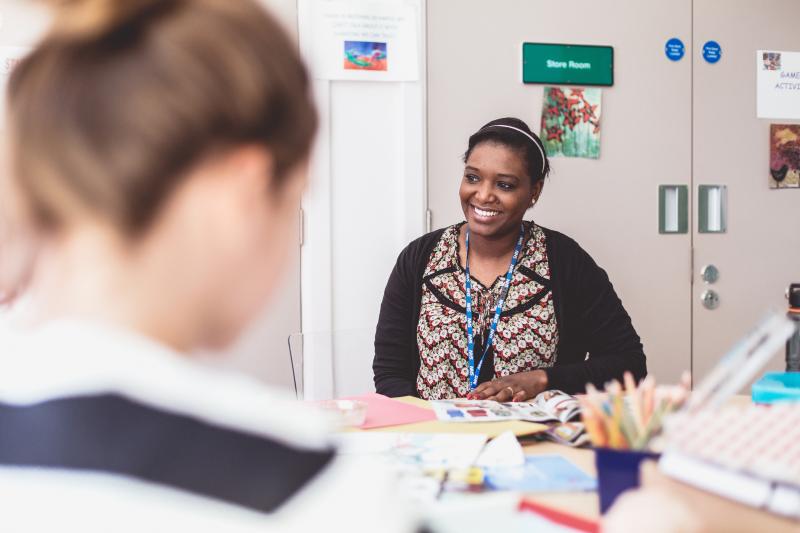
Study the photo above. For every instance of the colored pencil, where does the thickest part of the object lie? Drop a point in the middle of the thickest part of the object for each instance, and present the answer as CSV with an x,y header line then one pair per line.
x,y
630,417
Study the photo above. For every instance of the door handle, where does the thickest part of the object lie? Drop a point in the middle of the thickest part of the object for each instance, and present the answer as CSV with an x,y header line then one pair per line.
x,y
713,209
673,209
710,299
710,274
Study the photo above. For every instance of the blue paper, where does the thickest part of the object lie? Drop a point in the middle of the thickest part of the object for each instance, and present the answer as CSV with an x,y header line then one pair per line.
x,y
541,473
674,49
712,52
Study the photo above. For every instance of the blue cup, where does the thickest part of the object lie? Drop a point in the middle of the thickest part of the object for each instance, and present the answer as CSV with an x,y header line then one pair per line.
x,y
776,387
617,471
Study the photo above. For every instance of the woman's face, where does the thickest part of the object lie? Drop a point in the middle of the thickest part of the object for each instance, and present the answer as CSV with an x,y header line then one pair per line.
x,y
496,190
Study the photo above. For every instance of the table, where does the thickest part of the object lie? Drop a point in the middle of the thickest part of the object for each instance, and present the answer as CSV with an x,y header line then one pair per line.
x,y
586,504
583,504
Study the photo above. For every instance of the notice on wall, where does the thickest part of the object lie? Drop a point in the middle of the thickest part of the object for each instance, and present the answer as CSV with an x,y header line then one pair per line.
x,y
712,52
778,84
571,122
372,41
784,156
568,64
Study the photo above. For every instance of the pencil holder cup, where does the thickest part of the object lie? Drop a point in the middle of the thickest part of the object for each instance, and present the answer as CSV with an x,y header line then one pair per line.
x,y
617,471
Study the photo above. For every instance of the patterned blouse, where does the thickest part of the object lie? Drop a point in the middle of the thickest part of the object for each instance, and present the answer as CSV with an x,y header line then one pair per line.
x,y
527,333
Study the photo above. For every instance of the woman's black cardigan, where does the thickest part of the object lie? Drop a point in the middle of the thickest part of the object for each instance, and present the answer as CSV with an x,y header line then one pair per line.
x,y
590,316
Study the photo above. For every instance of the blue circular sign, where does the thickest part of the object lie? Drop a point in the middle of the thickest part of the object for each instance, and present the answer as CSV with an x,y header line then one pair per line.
x,y
674,49
712,52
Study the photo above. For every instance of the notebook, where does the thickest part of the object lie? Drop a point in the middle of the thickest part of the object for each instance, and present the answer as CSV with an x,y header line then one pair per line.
x,y
749,454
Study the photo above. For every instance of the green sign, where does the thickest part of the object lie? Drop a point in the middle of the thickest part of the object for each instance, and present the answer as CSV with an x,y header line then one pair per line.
x,y
570,64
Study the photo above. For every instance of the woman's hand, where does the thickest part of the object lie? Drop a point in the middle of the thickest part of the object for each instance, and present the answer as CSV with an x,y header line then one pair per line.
x,y
513,388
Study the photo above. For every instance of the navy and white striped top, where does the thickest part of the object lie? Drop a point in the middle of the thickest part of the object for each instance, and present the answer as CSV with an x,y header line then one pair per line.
x,y
103,429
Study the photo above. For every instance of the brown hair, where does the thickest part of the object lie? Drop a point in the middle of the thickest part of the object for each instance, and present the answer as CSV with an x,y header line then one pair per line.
x,y
122,97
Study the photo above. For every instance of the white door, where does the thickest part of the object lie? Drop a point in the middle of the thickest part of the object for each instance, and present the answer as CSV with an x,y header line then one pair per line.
x,y
759,255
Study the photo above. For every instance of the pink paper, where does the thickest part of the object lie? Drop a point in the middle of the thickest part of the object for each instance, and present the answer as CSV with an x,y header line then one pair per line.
x,y
383,411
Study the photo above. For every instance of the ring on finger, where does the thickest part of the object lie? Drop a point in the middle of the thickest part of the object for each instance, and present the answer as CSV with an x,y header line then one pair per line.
x,y
511,390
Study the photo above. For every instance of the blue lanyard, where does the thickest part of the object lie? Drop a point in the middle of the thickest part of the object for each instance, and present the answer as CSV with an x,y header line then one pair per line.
x,y
474,372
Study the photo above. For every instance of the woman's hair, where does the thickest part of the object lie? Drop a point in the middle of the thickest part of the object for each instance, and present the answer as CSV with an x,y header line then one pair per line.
x,y
122,97
516,135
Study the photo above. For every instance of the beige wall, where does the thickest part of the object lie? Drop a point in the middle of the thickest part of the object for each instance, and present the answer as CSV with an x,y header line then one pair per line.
x,y
759,256
687,122
649,137
608,205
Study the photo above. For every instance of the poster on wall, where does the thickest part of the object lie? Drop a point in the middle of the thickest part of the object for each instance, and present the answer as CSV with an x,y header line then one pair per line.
x,y
571,122
778,84
368,41
784,156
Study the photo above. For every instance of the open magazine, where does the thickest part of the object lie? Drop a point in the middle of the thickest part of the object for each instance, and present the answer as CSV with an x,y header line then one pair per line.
x,y
548,406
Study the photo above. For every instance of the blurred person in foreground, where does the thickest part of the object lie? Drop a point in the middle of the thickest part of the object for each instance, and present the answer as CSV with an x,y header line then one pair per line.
x,y
157,151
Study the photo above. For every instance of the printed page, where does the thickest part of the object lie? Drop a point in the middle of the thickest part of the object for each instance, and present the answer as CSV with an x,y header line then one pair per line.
x,y
472,411
548,406
530,411
560,405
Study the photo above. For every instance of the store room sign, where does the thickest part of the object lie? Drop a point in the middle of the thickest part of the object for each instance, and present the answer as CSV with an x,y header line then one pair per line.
x,y
570,64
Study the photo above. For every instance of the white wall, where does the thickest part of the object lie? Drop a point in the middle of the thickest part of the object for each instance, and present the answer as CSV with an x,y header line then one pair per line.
x,y
21,22
366,202
285,11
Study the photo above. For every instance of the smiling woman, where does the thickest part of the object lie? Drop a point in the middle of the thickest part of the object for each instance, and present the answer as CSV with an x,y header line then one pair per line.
x,y
498,307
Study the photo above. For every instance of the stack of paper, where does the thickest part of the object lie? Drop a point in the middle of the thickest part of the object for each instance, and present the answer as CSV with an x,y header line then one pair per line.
x,y
422,462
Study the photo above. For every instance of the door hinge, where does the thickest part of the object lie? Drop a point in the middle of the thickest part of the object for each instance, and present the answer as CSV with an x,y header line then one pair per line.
x,y
428,220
